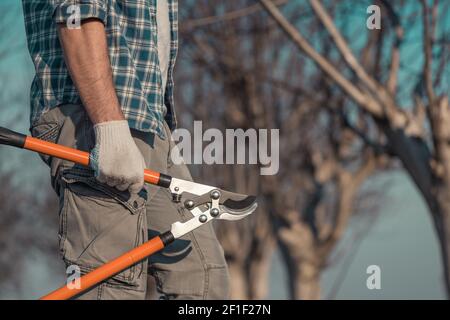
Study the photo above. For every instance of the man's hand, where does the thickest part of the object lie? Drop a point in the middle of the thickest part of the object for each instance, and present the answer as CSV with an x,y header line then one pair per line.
x,y
116,158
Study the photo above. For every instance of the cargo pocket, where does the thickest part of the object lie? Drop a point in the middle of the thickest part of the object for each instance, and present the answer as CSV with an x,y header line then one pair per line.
x,y
48,131
99,223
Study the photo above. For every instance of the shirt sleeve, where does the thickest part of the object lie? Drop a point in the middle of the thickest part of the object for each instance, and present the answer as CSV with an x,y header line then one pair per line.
x,y
66,10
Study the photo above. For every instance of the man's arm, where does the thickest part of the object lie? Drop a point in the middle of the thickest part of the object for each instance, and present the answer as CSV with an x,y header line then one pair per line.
x,y
86,56
115,158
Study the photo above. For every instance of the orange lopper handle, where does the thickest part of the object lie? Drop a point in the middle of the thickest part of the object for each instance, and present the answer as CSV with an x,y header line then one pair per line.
x,y
122,262
80,157
111,268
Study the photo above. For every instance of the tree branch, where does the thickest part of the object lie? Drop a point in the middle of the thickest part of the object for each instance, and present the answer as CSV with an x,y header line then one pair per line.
x,y
354,93
348,184
395,54
343,47
427,67
201,22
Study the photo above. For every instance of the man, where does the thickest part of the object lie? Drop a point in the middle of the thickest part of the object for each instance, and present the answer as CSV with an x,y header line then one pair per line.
x,y
104,84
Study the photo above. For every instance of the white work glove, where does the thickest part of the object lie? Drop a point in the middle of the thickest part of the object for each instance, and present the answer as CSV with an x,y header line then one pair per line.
x,y
115,158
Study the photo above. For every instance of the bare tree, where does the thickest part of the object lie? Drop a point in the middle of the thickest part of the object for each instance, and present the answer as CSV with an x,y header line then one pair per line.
x,y
237,72
418,136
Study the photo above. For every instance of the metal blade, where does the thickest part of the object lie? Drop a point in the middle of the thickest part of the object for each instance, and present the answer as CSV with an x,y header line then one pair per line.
x,y
239,205
230,215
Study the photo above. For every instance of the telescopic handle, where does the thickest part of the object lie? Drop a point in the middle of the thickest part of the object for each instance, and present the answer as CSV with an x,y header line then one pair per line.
x,y
15,139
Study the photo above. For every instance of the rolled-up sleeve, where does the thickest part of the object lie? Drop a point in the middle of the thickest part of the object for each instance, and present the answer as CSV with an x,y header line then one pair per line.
x,y
66,9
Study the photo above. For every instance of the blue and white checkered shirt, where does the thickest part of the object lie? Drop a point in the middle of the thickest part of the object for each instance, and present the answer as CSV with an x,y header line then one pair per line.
x,y
131,31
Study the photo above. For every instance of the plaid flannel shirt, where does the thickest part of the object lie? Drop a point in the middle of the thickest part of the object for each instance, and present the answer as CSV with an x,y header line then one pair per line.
x,y
132,40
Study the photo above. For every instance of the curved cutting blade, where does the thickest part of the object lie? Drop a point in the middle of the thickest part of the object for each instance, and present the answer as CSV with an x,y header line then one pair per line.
x,y
234,206
239,205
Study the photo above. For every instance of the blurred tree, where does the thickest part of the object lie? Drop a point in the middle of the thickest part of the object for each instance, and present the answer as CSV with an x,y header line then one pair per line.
x,y
375,86
28,207
237,72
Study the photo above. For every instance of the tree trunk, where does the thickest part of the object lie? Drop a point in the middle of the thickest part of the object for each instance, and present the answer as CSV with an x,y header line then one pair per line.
x,y
238,281
259,273
303,269
307,282
304,278
416,158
